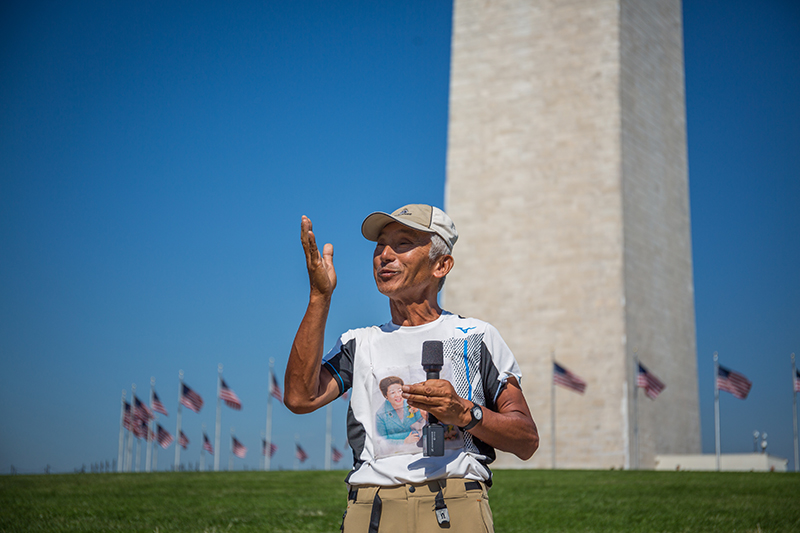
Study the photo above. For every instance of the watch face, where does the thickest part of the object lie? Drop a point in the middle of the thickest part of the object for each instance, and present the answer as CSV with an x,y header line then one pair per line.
x,y
477,412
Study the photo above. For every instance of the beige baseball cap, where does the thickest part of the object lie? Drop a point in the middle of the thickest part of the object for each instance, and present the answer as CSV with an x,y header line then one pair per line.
x,y
420,217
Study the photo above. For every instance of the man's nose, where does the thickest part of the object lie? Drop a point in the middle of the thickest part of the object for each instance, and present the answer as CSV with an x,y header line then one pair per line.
x,y
387,254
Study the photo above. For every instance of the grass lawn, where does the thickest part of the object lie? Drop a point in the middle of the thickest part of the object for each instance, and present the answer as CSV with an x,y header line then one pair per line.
x,y
522,500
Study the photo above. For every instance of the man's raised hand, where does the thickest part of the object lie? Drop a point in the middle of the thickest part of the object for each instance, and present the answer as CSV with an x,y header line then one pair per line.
x,y
321,273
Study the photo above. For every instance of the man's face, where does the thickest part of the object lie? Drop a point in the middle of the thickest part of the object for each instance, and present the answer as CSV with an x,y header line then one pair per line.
x,y
401,263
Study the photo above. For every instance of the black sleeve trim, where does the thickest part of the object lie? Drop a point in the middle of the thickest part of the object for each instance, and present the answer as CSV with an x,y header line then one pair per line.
x,y
340,366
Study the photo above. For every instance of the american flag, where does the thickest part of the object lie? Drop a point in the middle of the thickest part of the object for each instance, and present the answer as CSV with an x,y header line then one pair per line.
x,y
158,407
191,399
733,382
275,390
336,455
797,380
140,429
230,398
565,378
238,448
183,440
163,437
647,381
207,444
141,411
300,454
272,448
126,419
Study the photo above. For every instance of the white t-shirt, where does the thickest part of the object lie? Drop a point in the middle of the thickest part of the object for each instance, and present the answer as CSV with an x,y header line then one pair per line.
x,y
383,430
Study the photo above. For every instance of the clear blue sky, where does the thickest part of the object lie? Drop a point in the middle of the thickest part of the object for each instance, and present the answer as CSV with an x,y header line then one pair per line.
x,y
156,159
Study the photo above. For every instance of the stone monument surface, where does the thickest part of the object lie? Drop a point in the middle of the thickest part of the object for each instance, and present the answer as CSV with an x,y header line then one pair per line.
x,y
567,178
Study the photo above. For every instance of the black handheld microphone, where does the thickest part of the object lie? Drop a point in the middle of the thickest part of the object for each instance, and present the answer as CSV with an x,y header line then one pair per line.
x,y
433,432
432,358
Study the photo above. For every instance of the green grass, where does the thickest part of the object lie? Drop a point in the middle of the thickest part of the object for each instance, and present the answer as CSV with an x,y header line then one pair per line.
x,y
522,500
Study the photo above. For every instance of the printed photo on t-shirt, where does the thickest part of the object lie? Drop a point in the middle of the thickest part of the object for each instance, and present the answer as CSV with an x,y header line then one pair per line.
x,y
398,426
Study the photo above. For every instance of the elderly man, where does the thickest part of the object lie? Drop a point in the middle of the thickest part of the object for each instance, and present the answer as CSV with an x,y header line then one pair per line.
x,y
393,485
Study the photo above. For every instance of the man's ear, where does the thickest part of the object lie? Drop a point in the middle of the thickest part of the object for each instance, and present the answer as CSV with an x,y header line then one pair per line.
x,y
444,264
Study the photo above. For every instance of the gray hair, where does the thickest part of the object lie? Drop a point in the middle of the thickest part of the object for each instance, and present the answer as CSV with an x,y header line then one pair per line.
x,y
438,249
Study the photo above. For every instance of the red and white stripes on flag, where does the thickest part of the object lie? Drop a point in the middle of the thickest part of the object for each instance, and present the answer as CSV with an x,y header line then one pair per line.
x,y
796,380
300,454
140,429
163,437
157,406
228,396
733,382
127,420
191,399
239,449
565,378
207,444
183,440
647,381
275,390
272,448
141,411
336,455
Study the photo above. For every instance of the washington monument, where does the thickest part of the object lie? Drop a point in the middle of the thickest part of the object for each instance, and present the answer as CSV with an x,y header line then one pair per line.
x,y
567,178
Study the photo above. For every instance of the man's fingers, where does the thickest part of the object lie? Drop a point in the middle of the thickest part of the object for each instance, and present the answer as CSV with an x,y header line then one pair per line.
x,y
421,402
306,236
309,240
305,227
424,389
312,243
327,253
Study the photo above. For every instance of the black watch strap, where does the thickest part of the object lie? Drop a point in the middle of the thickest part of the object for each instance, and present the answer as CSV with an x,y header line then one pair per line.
x,y
475,419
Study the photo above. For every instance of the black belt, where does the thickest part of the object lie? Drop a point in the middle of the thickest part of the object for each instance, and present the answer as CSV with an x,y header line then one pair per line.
x,y
472,485
469,485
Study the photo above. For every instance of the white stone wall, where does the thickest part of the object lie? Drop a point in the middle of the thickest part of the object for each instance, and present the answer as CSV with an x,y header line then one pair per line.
x,y
658,255
554,249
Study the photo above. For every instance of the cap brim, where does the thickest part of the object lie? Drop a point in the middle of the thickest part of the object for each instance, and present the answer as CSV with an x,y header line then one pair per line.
x,y
375,222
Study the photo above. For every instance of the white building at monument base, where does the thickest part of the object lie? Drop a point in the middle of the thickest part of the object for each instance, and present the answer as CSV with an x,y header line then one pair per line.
x,y
730,462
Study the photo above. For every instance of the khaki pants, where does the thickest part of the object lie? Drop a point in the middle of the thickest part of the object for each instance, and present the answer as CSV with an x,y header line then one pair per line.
x,y
410,508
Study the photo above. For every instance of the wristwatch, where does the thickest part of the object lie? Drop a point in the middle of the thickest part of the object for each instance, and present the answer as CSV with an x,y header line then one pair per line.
x,y
477,415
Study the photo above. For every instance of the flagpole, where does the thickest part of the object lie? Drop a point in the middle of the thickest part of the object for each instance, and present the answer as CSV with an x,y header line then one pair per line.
x,y
716,407
219,419
155,458
131,434
230,454
268,454
129,437
178,430
296,444
636,409
138,454
328,436
203,451
122,431
149,455
553,409
794,413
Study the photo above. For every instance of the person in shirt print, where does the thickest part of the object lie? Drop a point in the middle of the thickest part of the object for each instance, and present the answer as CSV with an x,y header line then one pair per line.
x,y
395,420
